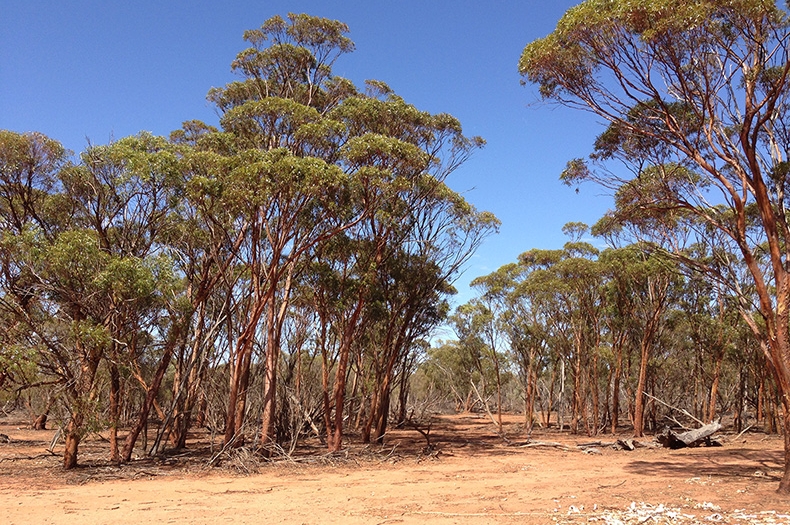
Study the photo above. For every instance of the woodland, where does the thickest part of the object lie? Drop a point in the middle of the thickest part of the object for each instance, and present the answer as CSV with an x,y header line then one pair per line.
x,y
283,276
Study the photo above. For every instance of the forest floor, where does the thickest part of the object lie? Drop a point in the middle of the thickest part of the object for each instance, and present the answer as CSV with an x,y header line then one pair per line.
x,y
468,476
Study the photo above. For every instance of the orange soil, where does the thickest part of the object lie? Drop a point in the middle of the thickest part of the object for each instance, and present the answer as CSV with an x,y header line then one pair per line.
x,y
470,476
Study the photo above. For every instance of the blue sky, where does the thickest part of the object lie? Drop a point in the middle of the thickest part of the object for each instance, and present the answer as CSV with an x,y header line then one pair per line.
x,y
97,70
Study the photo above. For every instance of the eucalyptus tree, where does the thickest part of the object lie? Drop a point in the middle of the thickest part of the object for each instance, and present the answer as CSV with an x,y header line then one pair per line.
x,y
696,94
712,324
417,276
565,285
284,184
201,239
29,168
526,334
123,194
478,336
90,261
311,157
449,368
644,285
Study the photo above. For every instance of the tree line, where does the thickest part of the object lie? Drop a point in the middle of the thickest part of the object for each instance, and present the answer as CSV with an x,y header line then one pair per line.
x,y
602,341
252,269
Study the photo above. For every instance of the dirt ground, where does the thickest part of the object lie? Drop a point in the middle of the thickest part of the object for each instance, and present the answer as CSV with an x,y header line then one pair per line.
x,y
469,476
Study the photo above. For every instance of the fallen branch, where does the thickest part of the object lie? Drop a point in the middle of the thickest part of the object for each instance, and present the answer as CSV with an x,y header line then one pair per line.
x,y
684,412
612,486
595,444
552,444
28,458
624,444
500,430
742,432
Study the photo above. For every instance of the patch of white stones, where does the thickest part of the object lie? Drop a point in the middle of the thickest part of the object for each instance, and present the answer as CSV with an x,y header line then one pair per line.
x,y
645,513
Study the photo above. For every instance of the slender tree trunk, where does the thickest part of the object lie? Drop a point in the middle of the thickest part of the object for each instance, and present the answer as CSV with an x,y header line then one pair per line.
x,y
41,421
335,440
270,395
594,389
549,406
325,379
382,413
185,402
640,391
760,415
576,404
784,484
240,372
115,411
367,427
739,398
714,388
618,372
498,392
80,395
275,320
150,398
243,386
561,411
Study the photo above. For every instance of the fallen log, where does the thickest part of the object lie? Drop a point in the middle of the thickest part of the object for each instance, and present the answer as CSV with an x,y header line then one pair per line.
x,y
624,444
552,444
692,438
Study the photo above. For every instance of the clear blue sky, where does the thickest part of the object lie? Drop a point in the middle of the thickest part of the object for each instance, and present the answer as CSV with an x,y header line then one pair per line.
x,y
97,70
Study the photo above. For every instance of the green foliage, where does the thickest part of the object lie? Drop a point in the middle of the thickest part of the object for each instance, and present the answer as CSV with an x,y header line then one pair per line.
x,y
315,213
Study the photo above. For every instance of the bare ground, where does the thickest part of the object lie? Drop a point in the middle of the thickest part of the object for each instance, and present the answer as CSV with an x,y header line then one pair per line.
x,y
470,475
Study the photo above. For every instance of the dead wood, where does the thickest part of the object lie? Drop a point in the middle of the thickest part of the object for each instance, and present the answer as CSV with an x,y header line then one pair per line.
x,y
594,444
693,438
552,444
500,430
682,411
624,444
425,431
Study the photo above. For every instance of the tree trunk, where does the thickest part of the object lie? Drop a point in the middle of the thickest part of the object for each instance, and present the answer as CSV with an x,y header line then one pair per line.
x,y
242,387
80,395
72,440
618,371
714,388
594,390
238,379
115,411
784,484
382,414
150,398
335,431
41,421
639,405
269,400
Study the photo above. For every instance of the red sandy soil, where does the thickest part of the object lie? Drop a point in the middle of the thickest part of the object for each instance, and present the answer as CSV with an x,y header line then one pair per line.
x,y
469,476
